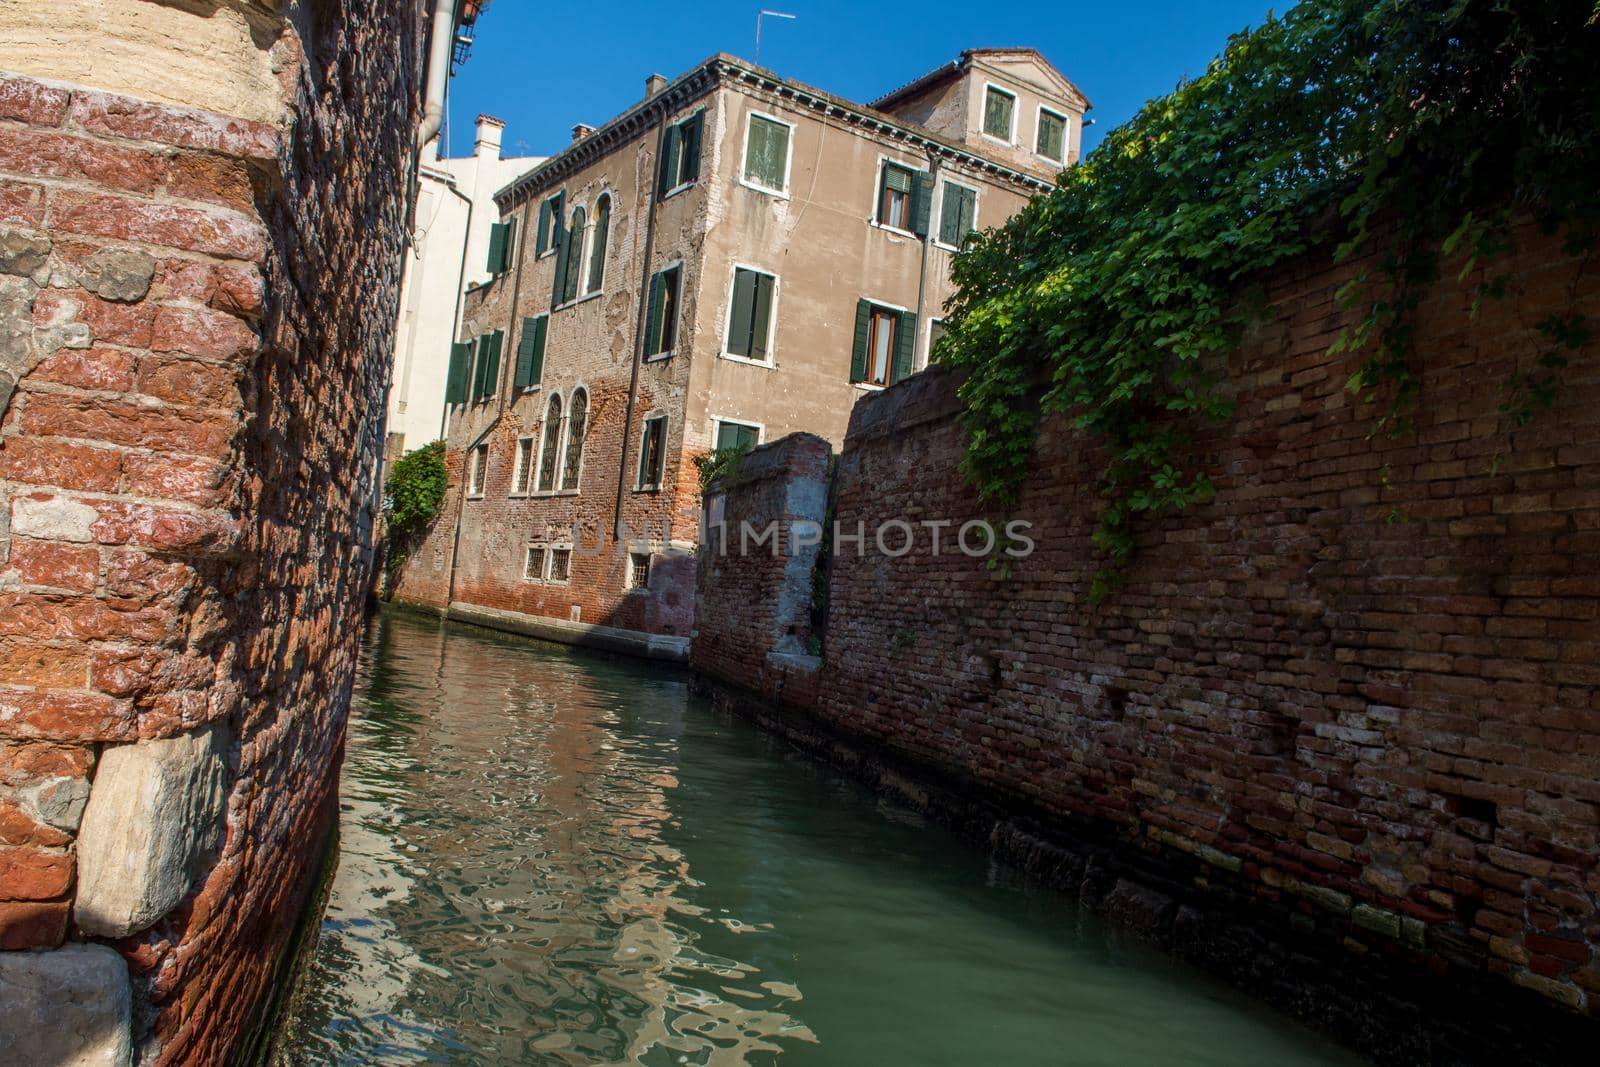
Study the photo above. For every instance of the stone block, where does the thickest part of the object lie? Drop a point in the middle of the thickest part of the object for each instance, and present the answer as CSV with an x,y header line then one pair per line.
x,y
154,818
68,1007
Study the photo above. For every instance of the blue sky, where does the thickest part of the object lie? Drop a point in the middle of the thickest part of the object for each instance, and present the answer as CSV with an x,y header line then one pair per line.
x,y
543,68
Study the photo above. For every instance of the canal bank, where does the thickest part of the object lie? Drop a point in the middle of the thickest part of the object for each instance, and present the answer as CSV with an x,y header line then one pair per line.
x,y
552,857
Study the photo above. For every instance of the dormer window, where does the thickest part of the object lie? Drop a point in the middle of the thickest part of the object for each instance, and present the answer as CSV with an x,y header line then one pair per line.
x,y
1052,140
999,113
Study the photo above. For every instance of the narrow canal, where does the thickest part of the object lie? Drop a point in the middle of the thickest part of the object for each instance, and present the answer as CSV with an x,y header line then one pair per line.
x,y
551,858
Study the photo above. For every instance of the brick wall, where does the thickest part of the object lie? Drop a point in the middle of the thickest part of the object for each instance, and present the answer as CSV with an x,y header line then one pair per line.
x,y
1357,691
194,320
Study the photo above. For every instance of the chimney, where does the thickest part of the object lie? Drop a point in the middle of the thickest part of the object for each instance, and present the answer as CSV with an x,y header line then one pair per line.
x,y
488,142
580,131
653,85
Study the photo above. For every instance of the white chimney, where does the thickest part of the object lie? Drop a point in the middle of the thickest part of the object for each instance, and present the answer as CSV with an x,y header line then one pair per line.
x,y
488,143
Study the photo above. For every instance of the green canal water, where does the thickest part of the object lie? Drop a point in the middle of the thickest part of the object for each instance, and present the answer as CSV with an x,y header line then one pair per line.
x,y
552,858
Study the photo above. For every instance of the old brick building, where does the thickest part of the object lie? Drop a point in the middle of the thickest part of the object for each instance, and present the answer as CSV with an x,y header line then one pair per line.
x,y
735,258
202,214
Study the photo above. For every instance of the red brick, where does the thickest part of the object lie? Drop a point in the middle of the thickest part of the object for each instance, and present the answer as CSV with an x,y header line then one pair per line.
x,y
103,369
216,231
188,381
34,874
40,154
112,322
21,203
122,423
24,662
164,529
215,179
135,578
236,290
53,715
22,762
28,101
203,332
122,116
72,567
193,481
33,924
45,461
48,616
18,827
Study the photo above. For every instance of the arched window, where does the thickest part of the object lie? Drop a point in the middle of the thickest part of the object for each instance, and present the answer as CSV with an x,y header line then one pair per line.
x,y
577,416
572,263
597,245
551,449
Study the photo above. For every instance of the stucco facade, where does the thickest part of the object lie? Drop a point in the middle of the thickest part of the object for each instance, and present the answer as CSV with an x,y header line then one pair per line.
x,y
455,210
842,219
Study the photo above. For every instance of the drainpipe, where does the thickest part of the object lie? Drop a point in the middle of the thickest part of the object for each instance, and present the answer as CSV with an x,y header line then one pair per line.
x,y
644,311
441,40
919,351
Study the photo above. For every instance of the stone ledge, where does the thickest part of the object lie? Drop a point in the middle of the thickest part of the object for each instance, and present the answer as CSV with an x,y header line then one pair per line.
x,y
584,635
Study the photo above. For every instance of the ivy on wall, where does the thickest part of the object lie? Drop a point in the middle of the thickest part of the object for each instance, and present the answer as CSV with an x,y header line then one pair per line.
x,y
413,495
1113,298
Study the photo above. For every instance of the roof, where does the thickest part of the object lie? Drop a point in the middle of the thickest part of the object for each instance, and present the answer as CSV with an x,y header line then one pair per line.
x,y
958,66
720,68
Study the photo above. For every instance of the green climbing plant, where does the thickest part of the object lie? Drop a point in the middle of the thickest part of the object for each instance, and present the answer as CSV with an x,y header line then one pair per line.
x,y
1415,129
413,495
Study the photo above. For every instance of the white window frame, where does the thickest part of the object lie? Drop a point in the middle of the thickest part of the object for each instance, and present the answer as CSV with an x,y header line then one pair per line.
x,y
937,215
628,587
788,157
983,114
926,355
771,362
644,436
566,439
667,353
1066,131
561,445
517,465
877,197
544,562
884,305
717,421
550,551
681,186
474,488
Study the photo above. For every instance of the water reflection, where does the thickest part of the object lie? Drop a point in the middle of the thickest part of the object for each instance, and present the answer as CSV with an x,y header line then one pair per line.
x,y
549,858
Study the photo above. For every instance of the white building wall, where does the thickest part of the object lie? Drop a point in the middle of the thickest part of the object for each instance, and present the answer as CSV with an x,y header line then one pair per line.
x,y
449,255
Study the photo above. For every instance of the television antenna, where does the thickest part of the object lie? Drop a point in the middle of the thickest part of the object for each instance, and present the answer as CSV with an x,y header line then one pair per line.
x,y
762,15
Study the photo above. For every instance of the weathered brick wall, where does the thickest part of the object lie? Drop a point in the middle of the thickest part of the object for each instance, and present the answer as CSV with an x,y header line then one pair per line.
x,y
1358,688
194,321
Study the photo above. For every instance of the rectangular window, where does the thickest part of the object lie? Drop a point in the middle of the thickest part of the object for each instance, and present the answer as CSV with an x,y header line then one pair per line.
x,y
737,434
551,210
522,479
1052,140
680,153
533,564
459,374
638,571
958,214
999,109
477,470
884,344
750,314
936,330
661,326
652,452
530,351
487,374
502,242
766,154
560,564
894,196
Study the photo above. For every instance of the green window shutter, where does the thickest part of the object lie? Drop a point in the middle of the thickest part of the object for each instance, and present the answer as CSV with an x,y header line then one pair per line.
x,y
652,330
574,257
735,435
766,153
671,304
597,254
558,218
905,346
541,240
997,114
508,257
691,146
969,212
858,354
950,216
524,372
455,387
559,284
497,248
480,363
742,316
921,203
541,327
762,317
669,160
491,373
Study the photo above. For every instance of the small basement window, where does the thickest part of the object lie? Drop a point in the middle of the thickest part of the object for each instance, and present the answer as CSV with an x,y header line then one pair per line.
x,y
638,571
477,470
533,564
560,564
